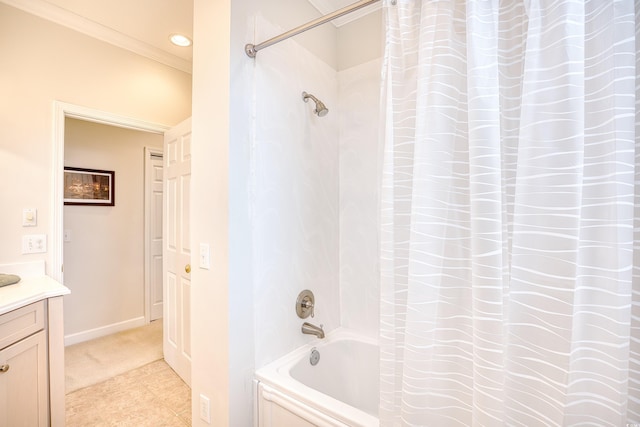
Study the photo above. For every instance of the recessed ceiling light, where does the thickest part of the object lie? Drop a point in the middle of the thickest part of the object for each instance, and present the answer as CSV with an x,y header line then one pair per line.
x,y
180,40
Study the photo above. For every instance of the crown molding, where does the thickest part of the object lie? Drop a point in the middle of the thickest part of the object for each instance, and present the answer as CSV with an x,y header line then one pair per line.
x,y
93,29
325,7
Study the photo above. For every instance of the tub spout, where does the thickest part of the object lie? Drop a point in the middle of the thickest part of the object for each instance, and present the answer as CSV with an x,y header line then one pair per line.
x,y
308,328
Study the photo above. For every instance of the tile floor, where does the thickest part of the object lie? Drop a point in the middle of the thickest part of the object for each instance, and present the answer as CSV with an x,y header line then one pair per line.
x,y
153,395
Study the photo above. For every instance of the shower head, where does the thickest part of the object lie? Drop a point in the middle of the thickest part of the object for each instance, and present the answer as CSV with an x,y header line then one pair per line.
x,y
321,110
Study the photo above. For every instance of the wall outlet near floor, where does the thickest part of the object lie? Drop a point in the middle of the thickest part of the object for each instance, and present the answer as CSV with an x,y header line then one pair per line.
x,y
34,243
205,408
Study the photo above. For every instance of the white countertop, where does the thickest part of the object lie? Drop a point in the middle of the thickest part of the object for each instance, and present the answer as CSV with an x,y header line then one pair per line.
x,y
33,286
29,290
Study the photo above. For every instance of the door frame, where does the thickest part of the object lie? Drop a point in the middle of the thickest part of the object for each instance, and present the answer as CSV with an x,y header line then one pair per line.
x,y
62,111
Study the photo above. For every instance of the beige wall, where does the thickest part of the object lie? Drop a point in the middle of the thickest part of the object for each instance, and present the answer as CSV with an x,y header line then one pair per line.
x,y
210,323
104,260
43,62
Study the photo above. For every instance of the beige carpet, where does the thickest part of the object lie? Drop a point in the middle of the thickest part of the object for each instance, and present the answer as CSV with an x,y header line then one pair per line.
x,y
94,361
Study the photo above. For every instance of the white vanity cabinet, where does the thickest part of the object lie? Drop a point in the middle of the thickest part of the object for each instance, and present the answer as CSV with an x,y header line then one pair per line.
x,y
32,353
24,396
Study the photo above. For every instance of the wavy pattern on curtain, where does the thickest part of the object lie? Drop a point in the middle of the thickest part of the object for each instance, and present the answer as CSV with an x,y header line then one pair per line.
x,y
510,200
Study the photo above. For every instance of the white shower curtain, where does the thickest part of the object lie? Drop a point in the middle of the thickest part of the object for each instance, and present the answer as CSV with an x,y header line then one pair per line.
x,y
510,206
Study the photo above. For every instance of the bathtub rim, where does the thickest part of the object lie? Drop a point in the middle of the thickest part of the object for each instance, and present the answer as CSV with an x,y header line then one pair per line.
x,y
277,376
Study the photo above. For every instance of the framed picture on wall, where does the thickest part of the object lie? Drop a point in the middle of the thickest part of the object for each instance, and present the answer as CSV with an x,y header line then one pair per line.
x,y
89,187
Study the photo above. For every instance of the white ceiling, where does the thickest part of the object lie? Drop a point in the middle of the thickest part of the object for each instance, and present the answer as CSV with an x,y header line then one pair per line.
x,y
144,26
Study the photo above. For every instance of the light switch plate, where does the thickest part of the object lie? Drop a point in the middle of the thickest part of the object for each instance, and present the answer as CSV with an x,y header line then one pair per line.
x,y
34,243
29,217
205,256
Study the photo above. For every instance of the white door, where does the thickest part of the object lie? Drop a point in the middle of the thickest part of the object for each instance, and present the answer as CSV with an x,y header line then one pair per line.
x,y
153,231
177,250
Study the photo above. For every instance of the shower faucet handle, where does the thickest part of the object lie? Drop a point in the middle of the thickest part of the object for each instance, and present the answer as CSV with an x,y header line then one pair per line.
x,y
305,304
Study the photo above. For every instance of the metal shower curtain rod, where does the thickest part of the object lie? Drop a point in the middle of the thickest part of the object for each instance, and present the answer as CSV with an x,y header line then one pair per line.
x,y
251,50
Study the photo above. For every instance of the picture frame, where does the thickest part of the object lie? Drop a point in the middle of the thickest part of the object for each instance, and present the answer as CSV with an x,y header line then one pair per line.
x,y
89,187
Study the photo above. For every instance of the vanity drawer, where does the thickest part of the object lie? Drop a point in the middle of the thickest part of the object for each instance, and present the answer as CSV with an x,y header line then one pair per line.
x,y
20,323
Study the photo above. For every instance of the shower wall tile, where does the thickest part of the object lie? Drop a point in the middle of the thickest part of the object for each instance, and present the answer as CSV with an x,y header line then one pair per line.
x,y
296,195
359,89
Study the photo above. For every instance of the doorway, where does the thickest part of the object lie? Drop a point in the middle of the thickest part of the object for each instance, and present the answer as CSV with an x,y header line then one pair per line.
x,y
65,112
177,320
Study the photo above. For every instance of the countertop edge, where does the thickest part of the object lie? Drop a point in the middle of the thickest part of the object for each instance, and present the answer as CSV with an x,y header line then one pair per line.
x,y
28,291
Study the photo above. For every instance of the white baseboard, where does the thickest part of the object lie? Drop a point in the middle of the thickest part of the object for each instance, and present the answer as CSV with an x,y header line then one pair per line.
x,y
102,331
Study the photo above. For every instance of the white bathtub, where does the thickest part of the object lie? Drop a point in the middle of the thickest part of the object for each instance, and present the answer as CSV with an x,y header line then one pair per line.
x,y
341,390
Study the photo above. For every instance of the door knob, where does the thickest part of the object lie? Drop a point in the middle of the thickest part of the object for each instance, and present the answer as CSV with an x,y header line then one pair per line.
x,y
187,268
4,368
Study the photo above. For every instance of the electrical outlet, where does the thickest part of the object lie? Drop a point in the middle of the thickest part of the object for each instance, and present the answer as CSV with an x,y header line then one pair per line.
x,y
34,243
205,409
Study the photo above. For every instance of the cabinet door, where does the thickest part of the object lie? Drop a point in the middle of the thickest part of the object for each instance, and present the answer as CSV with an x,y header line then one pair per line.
x,y
23,384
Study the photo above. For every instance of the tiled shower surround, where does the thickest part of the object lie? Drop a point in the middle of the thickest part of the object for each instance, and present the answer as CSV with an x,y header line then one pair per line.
x,y
315,195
